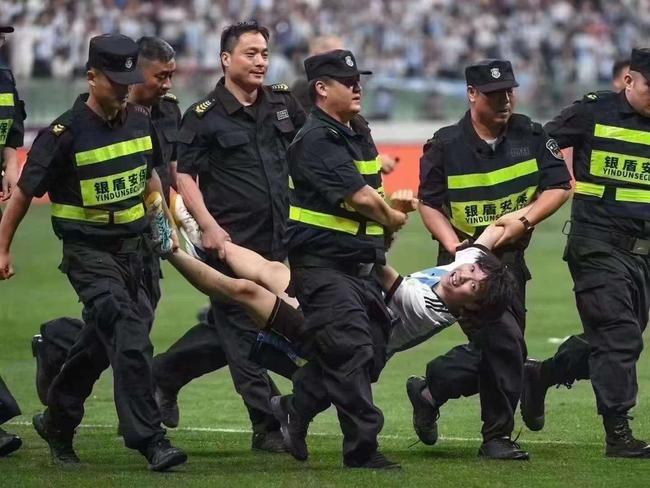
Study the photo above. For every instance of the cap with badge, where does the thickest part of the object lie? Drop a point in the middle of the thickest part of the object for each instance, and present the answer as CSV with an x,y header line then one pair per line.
x,y
491,75
6,29
640,61
116,56
338,63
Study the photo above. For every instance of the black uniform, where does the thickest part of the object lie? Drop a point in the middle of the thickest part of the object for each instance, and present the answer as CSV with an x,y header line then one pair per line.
x,y
58,335
239,155
474,184
608,248
331,252
12,131
95,175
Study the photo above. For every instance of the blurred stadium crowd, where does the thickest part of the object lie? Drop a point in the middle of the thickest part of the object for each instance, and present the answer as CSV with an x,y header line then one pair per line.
x,y
562,40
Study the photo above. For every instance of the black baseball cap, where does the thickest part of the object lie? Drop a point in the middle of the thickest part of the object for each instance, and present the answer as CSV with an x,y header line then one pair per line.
x,y
640,61
116,56
6,29
338,63
491,75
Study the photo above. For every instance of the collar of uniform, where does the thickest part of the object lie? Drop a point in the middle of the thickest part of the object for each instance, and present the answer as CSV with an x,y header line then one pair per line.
x,y
81,107
479,144
624,105
323,116
227,99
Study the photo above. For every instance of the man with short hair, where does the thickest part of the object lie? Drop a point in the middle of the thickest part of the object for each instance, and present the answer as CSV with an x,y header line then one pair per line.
x,y
12,116
608,254
96,162
156,61
472,174
620,68
234,143
337,219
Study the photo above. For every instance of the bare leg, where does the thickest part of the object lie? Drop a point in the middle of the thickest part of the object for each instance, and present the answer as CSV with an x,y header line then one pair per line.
x,y
272,275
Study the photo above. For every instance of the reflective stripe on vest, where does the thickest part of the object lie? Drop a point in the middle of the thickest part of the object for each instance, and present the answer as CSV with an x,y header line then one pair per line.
x,y
113,151
332,222
622,134
114,188
5,127
467,216
7,100
72,212
458,182
370,167
621,167
620,194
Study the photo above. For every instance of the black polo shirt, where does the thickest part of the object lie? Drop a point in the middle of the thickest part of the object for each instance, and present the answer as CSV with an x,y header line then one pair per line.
x,y
574,127
166,121
521,139
239,156
321,162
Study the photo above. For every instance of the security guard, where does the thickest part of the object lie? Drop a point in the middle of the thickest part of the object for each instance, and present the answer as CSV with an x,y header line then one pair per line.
x,y
95,161
336,235
12,115
157,63
472,174
608,248
235,142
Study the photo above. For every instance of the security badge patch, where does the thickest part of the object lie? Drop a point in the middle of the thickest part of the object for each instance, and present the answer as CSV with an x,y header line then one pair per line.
x,y
554,149
495,73
58,129
282,114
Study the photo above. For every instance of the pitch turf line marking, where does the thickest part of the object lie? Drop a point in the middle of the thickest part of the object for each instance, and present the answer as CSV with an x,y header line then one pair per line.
x,y
223,430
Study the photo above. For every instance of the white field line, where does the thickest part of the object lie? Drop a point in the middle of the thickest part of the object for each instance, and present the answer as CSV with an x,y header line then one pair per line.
x,y
224,430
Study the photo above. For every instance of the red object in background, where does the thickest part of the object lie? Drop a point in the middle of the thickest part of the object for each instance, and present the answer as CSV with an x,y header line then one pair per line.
x,y
405,176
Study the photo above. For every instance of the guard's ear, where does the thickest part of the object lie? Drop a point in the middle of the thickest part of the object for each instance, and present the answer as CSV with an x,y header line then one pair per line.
x,y
472,93
91,76
225,59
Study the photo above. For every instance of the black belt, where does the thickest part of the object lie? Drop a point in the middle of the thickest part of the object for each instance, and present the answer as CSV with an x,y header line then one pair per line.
x,y
352,268
632,244
113,246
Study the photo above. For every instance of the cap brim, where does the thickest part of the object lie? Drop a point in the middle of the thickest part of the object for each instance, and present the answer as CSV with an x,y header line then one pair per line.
x,y
497,85
6,29
366,72
125,77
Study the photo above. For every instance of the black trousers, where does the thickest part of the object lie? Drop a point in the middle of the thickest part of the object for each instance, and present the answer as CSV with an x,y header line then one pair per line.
x,y
347,327
118,316
491,364
612,292
8,406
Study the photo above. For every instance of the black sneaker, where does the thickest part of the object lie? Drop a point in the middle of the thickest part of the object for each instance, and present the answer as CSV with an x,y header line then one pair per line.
x,y
533,395
425,415
9,443
294,430
268,442
60,443
162,456
167,402
620,442
502,448
376,461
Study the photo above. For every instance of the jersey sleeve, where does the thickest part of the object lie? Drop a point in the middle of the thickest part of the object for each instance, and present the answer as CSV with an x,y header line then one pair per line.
x,y
421,315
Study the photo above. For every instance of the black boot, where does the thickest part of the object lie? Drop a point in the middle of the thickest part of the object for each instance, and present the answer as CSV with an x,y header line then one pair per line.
x,y
60,442
619,441
293,428
8,443
376,461
162,456
268,442
533,395
502,448
425,415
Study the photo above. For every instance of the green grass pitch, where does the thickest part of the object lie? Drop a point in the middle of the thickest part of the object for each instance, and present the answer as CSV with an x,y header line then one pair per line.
x,y
214,424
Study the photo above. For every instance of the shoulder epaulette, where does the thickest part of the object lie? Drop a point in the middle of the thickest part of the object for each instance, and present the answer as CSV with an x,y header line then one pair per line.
x,y
280,87
334,135
170,97
201,108
597,95
61,124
